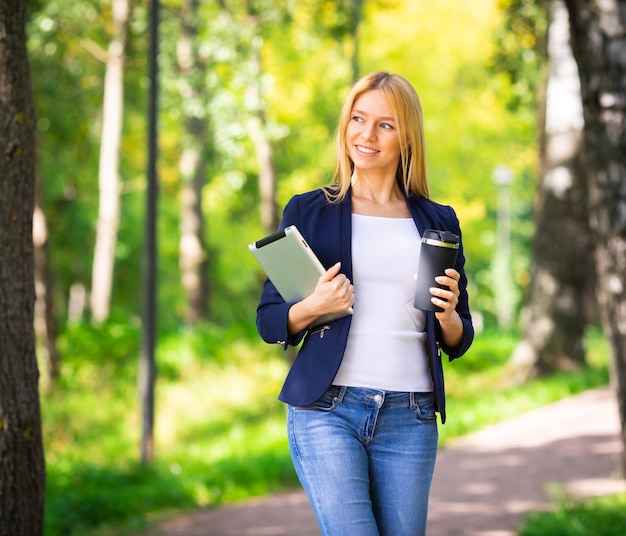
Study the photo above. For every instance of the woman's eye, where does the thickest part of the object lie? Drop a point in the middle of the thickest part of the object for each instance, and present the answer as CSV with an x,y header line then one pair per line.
x,y
386,125
357,119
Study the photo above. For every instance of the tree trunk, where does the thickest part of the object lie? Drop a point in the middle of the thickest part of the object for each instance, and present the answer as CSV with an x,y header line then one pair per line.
x,y
22,472
555,314
598,31
45,322
257,125
193,169
262,145
356,15
108,174
147,363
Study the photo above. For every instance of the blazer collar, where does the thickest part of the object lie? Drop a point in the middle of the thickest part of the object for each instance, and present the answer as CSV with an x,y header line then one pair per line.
x,y
419,208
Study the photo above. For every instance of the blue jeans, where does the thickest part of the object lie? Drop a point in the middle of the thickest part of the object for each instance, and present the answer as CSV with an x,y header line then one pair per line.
x,y
365,459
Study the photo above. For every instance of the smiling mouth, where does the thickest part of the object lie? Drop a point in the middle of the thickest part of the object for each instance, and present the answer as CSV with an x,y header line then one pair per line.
x,y
365,150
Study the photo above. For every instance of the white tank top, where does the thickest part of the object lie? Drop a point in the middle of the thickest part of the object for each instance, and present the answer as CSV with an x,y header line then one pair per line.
x,y
386,346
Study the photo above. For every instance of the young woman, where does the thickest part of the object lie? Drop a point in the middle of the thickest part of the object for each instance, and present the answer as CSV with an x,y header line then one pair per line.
x,y
363,390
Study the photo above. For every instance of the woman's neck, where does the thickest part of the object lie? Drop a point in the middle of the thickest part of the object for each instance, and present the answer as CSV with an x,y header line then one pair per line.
x,y
378,198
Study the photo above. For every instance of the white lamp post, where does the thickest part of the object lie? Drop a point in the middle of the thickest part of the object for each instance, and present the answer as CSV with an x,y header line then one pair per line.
x,y
503,284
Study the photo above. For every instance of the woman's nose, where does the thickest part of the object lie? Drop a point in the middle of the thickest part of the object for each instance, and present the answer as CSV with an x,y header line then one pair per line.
x,y
369,132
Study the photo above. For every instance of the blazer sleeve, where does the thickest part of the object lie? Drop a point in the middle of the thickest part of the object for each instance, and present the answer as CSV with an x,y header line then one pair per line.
x,y
462,307
272,311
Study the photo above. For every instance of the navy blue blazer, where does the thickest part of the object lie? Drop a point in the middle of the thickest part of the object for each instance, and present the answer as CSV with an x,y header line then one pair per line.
x,y
327,227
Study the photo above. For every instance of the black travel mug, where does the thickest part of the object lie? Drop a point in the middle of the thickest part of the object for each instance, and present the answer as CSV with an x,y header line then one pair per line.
x,y
438,252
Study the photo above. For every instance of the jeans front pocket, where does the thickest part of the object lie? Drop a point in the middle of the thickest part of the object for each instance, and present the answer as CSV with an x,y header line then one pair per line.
x,y
327,402
425,410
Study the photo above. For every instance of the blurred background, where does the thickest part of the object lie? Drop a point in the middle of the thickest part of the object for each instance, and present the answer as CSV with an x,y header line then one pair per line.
x,y
249,94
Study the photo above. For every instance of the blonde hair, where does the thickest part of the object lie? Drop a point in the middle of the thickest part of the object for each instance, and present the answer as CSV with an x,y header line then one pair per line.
x,y
407,111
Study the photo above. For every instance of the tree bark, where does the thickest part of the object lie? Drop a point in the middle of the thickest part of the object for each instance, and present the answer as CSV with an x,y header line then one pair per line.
x,y
556,309
193,169
598,31
22,472
108,173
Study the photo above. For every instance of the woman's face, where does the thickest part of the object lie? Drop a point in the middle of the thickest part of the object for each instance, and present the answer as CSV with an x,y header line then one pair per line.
x,y
371,135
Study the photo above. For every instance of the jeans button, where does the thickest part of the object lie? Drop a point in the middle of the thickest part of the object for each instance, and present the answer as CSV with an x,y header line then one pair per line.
x,y
378,399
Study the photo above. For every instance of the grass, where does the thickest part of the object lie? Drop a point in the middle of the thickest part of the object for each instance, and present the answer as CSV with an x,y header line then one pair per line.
x,y
605,516
219,429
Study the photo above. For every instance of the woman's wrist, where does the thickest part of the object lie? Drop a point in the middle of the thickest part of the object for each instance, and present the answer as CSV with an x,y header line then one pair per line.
x,y
300,316
452,329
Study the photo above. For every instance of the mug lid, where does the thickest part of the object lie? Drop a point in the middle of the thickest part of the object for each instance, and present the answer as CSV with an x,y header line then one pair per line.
x,y
445,239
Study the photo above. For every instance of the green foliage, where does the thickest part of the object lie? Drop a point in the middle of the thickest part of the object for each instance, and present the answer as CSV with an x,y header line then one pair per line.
x,y
115,343
605,516
453,52
522,51
80,497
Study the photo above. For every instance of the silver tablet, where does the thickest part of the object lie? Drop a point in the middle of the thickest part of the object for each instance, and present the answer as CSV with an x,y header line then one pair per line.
x,y
292,266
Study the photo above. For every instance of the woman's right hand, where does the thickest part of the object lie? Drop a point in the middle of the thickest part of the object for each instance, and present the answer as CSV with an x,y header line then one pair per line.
x,y
333,293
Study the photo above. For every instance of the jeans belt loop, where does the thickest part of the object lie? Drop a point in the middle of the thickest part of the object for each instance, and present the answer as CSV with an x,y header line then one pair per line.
x,y
413,400
341,394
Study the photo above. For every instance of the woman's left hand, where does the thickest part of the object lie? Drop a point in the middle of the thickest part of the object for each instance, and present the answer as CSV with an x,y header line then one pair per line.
x,y
446,299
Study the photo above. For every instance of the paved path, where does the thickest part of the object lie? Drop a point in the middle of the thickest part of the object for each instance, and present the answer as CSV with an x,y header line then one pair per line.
x,y
484,483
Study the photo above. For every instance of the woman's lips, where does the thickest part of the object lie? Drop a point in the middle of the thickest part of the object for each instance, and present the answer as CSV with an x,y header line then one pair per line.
x,y
365,150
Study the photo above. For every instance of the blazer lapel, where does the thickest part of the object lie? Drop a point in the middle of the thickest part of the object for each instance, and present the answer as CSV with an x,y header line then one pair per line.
x,y
421,213
346,235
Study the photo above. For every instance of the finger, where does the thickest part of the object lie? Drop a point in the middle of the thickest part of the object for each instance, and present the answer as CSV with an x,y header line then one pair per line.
x,y
440,303
452,273
339,282
331,272
446,296
349,295
447,281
